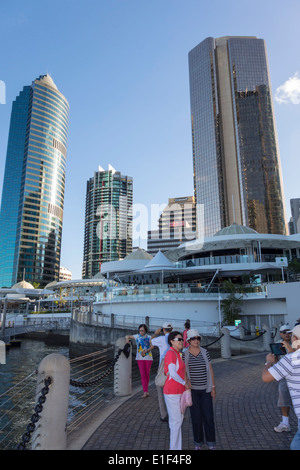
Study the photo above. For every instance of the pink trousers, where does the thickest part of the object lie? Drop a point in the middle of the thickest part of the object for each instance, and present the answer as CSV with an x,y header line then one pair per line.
x,y
144,367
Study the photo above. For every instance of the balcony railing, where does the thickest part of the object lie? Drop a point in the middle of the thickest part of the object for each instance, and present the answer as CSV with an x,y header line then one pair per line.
x,y
165,292
230,259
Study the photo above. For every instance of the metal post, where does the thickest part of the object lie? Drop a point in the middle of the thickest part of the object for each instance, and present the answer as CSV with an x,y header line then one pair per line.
x,y
50,432
2,353
123,371
3,318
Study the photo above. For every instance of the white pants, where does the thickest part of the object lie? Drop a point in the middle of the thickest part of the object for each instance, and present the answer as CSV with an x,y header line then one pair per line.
x,y
175,420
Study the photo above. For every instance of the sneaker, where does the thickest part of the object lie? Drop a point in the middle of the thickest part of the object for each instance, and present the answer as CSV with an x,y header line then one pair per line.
x,y
212,448
198,448
282,428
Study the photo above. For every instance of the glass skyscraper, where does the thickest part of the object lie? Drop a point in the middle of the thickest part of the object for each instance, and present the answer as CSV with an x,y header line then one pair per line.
x,y
108,220
34,183
237,174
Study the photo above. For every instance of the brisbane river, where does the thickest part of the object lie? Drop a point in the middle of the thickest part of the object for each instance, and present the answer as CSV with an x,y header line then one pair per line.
x,y
18,384
21,362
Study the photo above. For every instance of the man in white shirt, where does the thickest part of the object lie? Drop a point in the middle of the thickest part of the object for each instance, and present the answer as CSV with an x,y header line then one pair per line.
x,y
162,343
288,368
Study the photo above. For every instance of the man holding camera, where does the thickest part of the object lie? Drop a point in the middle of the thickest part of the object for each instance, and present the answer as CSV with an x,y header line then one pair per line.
x,y
288,367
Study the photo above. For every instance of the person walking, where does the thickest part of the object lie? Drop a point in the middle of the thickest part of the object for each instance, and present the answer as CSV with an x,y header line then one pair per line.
x,y
144,356
176,383
161,341
200,373
288,367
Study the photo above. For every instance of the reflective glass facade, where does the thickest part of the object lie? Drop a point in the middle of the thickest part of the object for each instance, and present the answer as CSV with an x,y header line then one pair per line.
x,y
108,220
237,172
34,183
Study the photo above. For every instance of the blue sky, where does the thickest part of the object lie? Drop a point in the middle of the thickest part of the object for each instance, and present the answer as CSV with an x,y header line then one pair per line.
x,y
123,67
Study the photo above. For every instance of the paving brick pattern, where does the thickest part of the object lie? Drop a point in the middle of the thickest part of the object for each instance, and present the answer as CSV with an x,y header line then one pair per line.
x,y
245,415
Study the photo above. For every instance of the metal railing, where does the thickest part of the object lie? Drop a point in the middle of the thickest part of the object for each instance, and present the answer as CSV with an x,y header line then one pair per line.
x,y
15,327
91,389
132,322
166,292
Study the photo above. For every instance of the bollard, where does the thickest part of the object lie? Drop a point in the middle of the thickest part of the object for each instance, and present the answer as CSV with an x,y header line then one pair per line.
x,y
266,337
51,432
225,344
2,353
241,331
123,371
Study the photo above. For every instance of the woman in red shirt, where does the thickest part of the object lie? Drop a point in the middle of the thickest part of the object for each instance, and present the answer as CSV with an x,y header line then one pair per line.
x,y
174,387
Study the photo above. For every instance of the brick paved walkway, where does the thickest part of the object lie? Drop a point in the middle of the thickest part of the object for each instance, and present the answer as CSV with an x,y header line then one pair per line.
x,y
245,415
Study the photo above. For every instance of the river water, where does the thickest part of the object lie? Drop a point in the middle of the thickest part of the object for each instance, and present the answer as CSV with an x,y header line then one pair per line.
x,y
18,384
21,362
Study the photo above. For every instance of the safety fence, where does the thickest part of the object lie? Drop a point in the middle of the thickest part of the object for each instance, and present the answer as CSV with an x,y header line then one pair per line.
x,y
91,389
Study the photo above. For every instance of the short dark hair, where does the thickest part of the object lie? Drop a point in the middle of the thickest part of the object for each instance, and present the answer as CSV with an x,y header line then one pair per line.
x,y
143,326
173,335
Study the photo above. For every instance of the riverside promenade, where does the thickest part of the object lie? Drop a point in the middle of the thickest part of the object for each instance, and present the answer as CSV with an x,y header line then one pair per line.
x,y
245,414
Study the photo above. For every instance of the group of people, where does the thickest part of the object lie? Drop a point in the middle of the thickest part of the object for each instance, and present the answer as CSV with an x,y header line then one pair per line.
x,y
286,371
186,367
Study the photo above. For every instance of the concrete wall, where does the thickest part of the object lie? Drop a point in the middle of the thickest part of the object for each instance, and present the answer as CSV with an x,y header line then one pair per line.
x,y
85,339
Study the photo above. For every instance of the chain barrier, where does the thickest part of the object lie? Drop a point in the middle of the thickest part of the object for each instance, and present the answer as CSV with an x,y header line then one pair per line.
x,y
207,345
126,351
35,417
250,339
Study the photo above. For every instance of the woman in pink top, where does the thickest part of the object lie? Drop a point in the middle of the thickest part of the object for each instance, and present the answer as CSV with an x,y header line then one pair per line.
x,y
187,326
174,387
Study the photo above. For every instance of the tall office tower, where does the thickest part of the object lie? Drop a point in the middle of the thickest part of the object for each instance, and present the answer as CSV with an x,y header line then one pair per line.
x,y
237,174
34,183
108,220
177,224
295,210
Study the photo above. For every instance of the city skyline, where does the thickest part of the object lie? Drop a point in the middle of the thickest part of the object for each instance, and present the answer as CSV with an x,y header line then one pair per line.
x,y
124,70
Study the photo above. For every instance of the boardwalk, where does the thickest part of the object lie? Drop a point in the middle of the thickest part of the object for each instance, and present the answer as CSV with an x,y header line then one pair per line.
x,y
245,414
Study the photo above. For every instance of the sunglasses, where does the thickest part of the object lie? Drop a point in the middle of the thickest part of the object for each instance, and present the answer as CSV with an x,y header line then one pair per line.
x,y
178,339
198,338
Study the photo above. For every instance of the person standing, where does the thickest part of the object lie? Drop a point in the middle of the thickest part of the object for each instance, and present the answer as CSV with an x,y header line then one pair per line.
x,y
144,356
161,341
187,326
288,367
200,373
176,383
284,400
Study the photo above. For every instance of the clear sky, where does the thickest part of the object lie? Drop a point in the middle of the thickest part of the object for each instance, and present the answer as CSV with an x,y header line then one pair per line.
x,y
123,67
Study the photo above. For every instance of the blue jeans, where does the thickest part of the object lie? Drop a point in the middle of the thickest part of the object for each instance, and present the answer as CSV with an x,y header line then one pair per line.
x,y
202,416
295,444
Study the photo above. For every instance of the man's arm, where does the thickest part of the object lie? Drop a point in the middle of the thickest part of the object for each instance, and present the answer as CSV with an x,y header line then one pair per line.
x,y
270,361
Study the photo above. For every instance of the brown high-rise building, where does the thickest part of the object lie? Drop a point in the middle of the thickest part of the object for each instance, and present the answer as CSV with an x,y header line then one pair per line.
x,y
237,174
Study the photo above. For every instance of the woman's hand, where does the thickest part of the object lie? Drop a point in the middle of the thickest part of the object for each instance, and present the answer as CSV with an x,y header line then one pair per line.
x,y
187,384
213,392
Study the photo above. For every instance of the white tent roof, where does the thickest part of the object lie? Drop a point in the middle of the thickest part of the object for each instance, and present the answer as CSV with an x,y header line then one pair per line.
x,y
160,261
